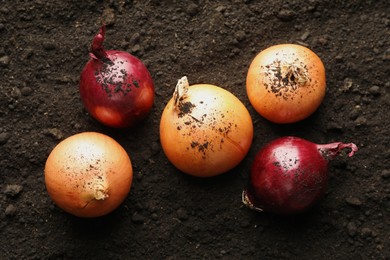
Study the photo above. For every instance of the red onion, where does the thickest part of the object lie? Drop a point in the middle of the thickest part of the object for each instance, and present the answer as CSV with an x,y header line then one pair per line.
x,y
115,87
290,174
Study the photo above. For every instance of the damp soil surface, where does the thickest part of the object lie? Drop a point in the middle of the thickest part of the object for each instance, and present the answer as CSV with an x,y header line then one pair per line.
x,y
170,215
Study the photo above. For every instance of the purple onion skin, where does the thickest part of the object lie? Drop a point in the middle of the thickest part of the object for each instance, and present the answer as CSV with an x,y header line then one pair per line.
x,y
115,87
290,174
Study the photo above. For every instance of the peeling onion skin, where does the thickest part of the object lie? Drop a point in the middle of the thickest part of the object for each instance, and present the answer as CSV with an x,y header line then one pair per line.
x,y
290,174
115,87
205,132
286,83
88,174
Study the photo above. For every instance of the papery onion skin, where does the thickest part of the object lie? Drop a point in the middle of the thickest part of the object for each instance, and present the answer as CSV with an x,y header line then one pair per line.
x,y
290,174
88,174
286,83
115,87
206,132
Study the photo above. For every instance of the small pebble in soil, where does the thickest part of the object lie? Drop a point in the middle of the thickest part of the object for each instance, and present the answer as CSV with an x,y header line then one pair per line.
x,y
245,223
135,38
386,54
137,218
10,210
182,214
305,35
26,91
366,232
16,93
339,58
220,9
334,126
353,201
4,61
109,16
27,53
138,176
361,121
347,84
4,138
240,36
154,216
13,190
286,15
48,46
374,90
192,9
136,48
55,133
351,229
385,174
155,148
386,99
355,112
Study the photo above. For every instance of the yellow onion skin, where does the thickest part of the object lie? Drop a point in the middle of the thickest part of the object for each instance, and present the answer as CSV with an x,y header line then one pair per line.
x,y
286,83
206,133
88,174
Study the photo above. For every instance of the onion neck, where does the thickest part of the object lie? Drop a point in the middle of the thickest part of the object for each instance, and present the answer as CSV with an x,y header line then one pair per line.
x,y
330,151
294,74
100,192
97,50
180,92
96,192
247,201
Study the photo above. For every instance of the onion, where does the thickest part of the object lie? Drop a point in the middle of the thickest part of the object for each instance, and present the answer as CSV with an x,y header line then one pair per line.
x,y
88,174
205,130
115,87
290,174
286,83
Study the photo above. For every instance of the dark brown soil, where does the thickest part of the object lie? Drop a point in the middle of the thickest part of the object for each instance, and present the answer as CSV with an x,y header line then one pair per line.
x,y
169,215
